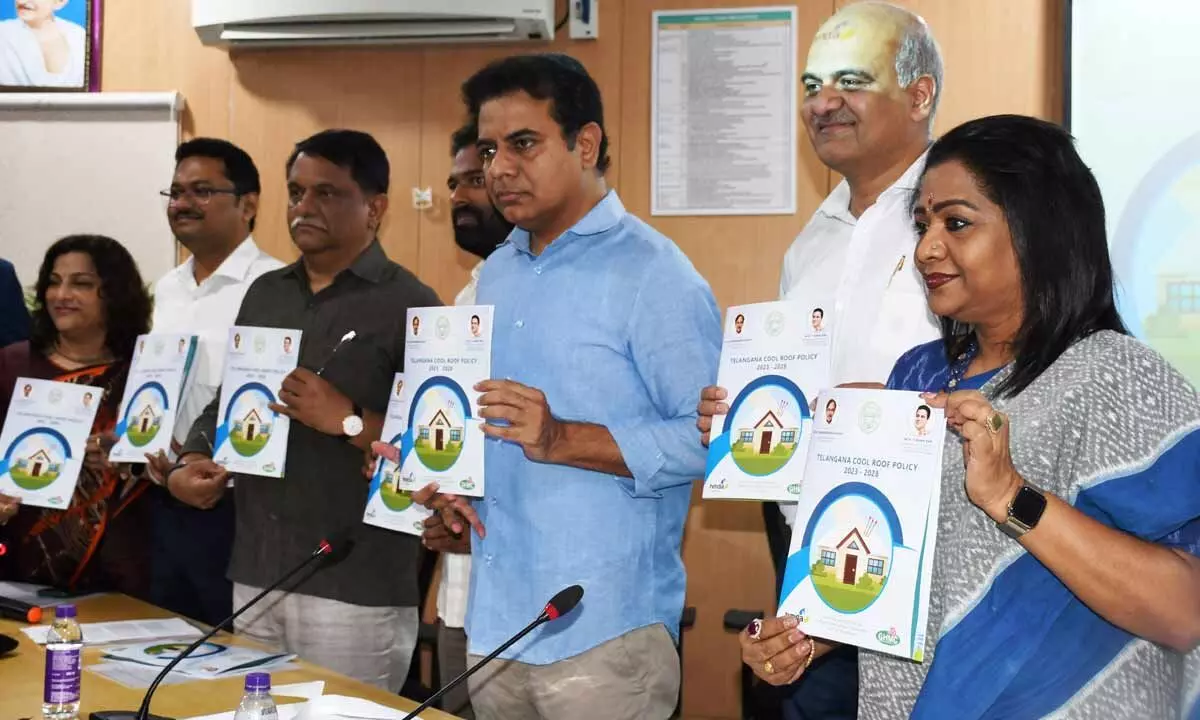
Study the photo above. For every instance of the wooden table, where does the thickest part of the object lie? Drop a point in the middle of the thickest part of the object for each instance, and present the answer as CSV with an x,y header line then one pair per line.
x,y
22,675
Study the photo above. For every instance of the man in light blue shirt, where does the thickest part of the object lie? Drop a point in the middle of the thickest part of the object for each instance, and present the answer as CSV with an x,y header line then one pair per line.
x,y
604,335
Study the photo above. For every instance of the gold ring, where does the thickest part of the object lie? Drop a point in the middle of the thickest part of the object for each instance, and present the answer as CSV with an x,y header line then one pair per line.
x,y
768,668
994,422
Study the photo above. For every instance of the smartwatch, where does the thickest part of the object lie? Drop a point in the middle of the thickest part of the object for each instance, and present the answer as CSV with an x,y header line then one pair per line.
x,y
352,424
1024,512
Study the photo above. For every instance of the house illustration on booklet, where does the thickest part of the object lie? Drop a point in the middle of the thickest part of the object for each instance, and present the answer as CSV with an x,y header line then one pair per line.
x,y
38,464
439,433
147,419
766,436
252,425
851,558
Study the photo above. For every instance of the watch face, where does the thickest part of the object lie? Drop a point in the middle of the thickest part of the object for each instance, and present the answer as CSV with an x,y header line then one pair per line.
x,y
352,425
1028,506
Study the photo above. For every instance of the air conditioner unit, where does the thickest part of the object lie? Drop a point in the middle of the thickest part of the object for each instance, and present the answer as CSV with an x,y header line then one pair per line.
x,y
292,23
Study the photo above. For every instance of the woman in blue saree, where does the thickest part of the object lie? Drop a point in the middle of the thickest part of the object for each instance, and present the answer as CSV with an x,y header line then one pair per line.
x,y
1066,580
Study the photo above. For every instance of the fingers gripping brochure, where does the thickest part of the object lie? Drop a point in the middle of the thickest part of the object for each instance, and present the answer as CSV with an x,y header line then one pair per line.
x,y
389,506
447,352
157,378
251,438
774,361
44,440
861,559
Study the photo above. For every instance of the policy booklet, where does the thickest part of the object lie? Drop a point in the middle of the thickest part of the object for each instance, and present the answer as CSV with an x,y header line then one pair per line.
x,y
157,380
861,558
44,439
447,352
774,361
250,438
388,506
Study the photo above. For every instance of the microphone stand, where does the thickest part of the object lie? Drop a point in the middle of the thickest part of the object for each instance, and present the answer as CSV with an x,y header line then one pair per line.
x,y
543,618
143,713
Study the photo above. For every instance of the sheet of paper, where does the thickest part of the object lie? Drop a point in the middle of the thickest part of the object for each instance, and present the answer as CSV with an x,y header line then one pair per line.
x,y
723,112
30,593
250,438
211,659
306,690
161,364
774,362
327,707
861,557
389,506
448,351
133,676
44,439
103,633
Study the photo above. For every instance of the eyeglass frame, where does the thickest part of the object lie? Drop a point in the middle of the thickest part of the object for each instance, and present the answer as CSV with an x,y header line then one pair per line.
x,y
201,196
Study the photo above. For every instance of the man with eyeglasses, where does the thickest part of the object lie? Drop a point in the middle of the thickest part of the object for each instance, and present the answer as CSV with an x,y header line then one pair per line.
x,y
211,206
358,616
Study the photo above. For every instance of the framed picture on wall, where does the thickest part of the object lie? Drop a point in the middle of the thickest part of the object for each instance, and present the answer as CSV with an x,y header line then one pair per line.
x,y
49,45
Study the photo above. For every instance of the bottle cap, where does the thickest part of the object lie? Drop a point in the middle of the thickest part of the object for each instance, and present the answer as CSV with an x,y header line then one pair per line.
x,y
66,610
258,681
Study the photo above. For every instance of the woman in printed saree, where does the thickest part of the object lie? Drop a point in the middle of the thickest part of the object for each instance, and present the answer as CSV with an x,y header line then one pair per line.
x,y
1066,580
91,306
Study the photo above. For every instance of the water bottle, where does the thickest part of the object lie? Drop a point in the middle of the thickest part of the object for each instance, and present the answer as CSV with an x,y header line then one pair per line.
x,y
257,703
64,666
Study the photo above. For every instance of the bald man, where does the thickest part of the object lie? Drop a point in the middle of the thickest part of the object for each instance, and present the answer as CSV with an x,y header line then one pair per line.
x,y
871,86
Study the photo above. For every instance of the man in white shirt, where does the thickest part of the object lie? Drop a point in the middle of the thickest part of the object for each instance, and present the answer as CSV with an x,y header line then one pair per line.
x,y
478,229
211,206
871,85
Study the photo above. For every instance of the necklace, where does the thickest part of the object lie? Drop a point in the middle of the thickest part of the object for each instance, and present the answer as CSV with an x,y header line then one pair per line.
x,y
82,361
958,368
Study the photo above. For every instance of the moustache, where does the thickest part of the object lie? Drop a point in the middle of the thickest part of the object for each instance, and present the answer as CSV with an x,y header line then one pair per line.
x,y
189,215
304,221
467,211
838,117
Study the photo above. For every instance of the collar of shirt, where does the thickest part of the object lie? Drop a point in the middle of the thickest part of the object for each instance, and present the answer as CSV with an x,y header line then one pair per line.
x,y
235,267
837,205
605,215
369,265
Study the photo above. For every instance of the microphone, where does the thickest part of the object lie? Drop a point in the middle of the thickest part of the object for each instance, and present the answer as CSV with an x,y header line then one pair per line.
x,y
331,550
17,610
559,605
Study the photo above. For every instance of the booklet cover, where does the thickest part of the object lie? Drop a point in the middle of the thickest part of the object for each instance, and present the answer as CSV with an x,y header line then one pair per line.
x,y
861,557
389,506
774,361
157,378
44,439
250,437
448,351
211,659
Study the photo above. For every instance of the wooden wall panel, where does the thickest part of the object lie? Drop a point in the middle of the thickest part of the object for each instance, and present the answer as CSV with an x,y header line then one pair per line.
x,y
1003,56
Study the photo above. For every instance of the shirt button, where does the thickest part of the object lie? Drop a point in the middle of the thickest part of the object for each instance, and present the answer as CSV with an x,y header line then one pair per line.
x,y
538,270
488,558
493,502
519,323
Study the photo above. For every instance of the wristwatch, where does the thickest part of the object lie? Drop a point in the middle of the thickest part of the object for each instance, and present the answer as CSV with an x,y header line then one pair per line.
x,y
1024,512
352,424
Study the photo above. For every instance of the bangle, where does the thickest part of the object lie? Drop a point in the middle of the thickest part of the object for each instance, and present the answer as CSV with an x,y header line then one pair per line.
x,y
166,483
812,651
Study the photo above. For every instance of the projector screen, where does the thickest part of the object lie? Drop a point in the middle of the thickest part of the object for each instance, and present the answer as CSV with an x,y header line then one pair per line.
x,y
1135,112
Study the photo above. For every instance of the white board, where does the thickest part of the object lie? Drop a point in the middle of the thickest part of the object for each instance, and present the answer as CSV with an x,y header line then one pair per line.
x,y
87,163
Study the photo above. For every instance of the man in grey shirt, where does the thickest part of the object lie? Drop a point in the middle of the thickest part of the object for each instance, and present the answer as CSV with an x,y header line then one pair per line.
x,y
360,616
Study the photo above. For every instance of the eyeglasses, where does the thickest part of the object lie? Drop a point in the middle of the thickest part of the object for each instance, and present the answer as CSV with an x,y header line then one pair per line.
x,y
199,195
